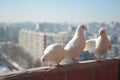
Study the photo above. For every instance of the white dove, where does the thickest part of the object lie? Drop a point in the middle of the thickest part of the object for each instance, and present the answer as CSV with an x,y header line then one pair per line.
x,y
75,46
53,54
99,45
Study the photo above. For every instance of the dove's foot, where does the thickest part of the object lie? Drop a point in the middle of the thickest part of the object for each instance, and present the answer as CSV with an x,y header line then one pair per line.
x,y
59,65
75,61
99,61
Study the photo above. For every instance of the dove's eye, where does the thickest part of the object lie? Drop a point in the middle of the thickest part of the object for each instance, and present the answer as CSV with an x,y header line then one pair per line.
x,y
83,27
102,32
43,59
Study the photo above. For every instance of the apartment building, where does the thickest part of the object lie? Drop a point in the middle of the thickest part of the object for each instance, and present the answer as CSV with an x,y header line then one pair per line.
x,y
32,42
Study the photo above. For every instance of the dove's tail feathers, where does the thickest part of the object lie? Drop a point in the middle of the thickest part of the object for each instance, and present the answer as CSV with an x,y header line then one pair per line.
x,y
89,44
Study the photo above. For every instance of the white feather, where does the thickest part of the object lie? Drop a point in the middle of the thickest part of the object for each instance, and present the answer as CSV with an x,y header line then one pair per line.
x,y
53,54
76,45
99,45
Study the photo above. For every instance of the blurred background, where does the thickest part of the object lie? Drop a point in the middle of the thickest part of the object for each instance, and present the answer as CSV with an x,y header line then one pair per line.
x,y
27,27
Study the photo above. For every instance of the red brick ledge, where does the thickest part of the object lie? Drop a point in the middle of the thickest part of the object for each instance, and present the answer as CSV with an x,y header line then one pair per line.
x,y
85,70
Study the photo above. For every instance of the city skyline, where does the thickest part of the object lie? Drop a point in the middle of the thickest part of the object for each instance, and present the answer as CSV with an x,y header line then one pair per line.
x,y
72,11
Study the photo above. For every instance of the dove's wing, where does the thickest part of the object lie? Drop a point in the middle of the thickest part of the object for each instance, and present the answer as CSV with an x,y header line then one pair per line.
x,y
90,45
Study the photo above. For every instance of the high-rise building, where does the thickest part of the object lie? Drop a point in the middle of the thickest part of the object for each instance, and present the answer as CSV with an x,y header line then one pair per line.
x,y
32,42
52,38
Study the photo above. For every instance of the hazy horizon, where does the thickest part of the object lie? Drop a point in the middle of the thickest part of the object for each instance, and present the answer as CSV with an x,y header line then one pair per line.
x,y
72,11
